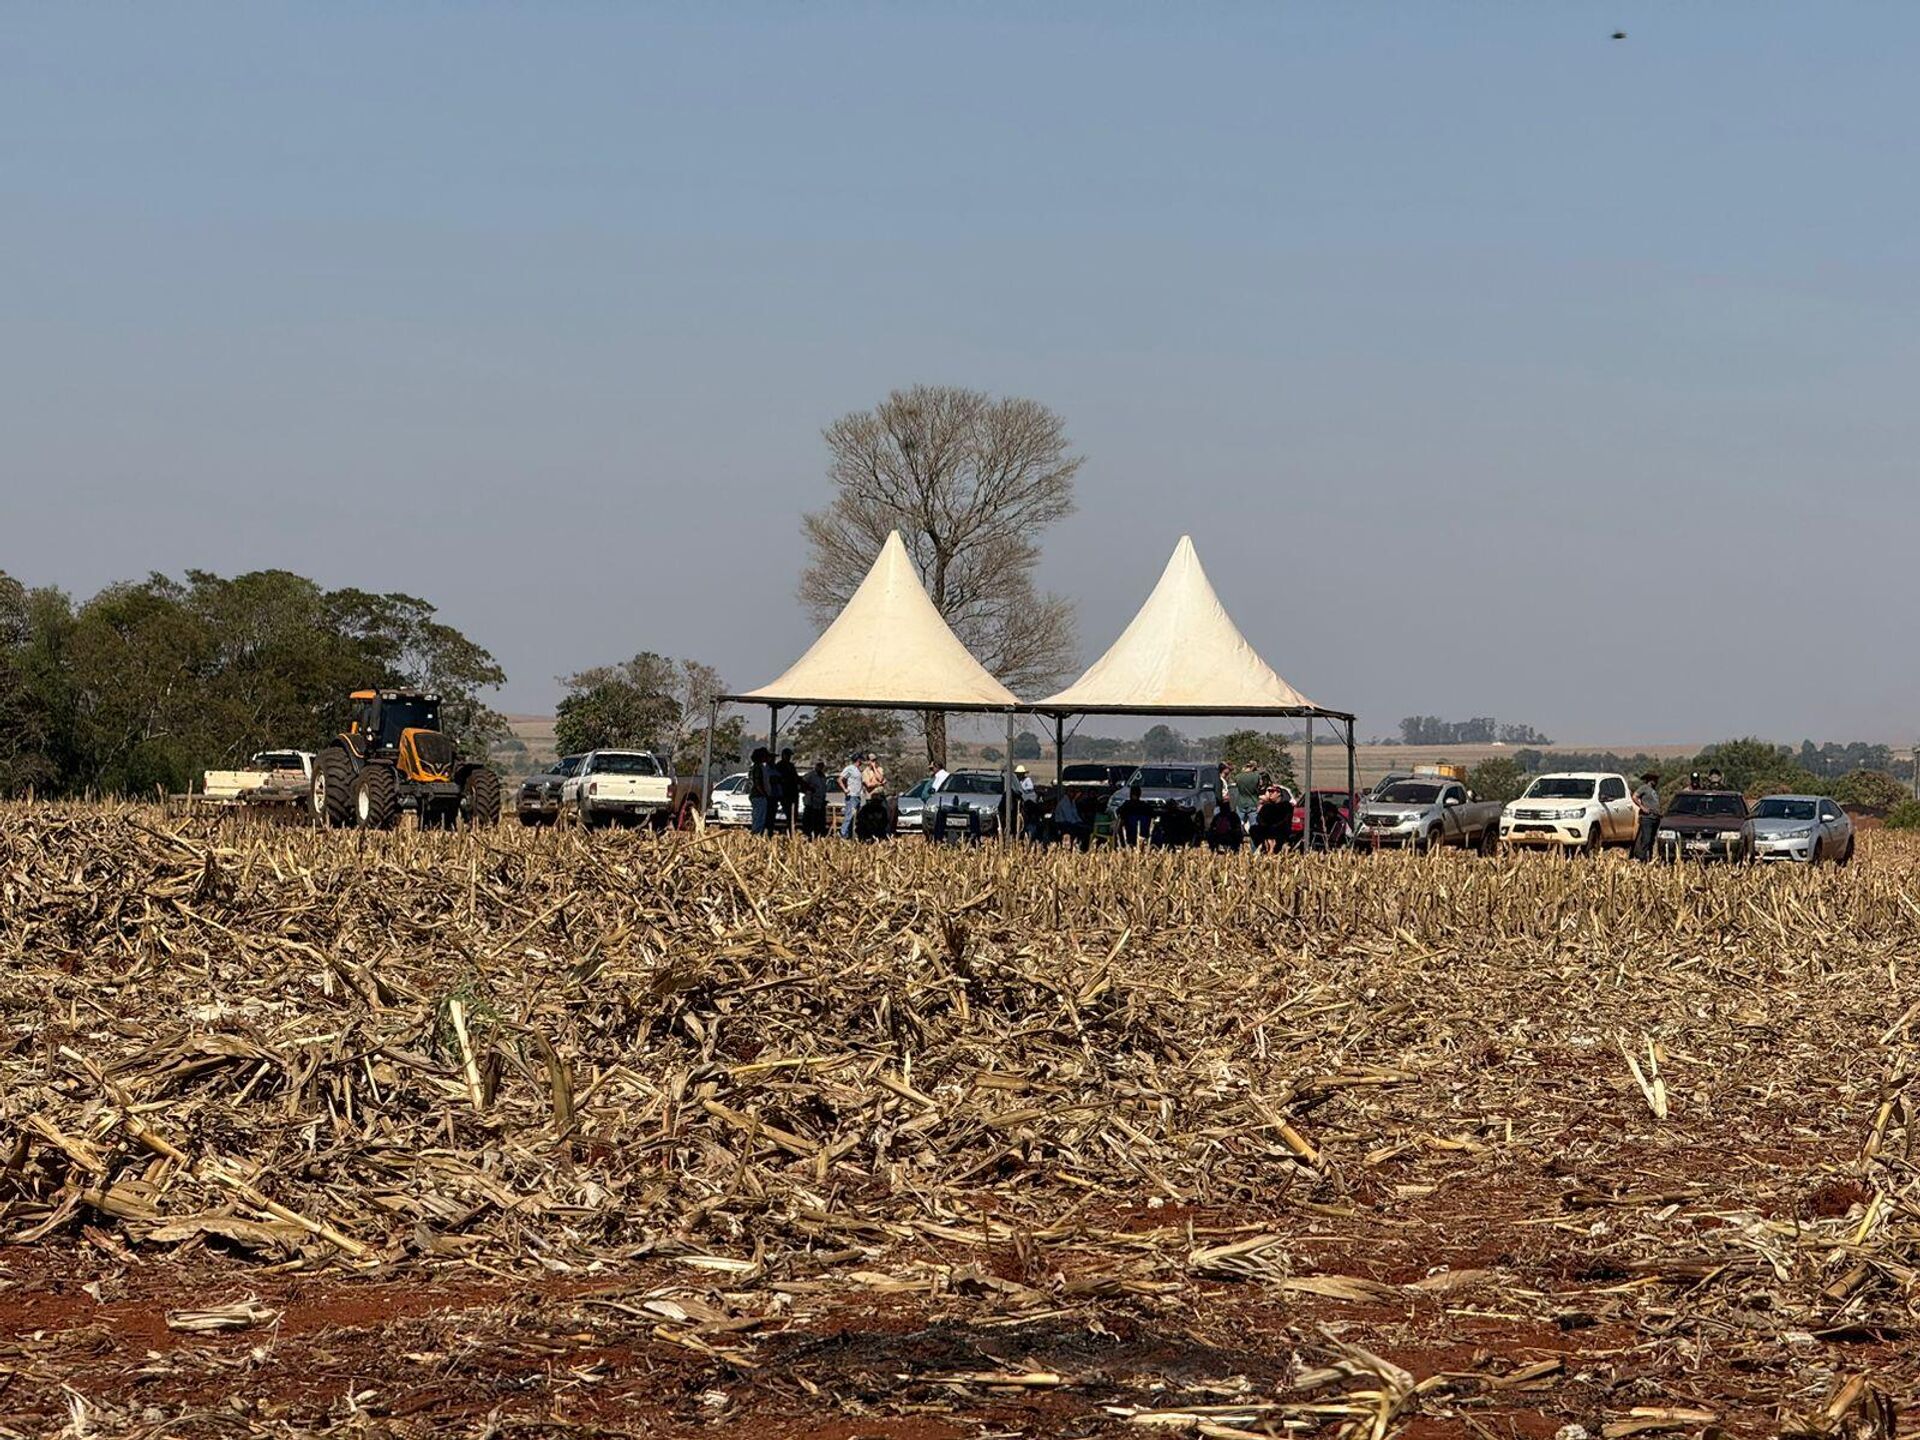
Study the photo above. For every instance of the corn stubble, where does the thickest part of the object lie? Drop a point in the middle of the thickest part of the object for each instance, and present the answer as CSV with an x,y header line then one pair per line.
x,y
1182,1089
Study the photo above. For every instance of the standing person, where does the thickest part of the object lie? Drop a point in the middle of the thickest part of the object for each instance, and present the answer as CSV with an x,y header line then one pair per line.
x,y
938,774
854,790
1715,780
759,789
1025,809
1136,816
786,791
1246,793
814,786
1647,801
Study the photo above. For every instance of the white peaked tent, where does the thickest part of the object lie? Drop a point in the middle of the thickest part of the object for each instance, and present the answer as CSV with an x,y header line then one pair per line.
x,y
1183,655
888,649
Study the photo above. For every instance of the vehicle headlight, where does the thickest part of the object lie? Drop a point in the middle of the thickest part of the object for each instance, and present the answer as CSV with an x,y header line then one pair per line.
x,y
1729,834
1572,812
1803,833
1669,835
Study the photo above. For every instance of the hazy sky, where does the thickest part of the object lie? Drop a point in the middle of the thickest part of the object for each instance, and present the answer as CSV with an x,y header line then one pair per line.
x,y
1495,366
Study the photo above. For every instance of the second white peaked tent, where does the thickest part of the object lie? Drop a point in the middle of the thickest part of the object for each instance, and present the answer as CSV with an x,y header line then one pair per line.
x,y
1182,653
888,648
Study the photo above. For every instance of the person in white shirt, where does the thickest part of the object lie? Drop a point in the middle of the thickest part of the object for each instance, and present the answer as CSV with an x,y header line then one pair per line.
x,y
939,777
854,789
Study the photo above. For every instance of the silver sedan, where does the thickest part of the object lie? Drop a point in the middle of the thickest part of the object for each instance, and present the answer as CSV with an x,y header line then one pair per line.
x,y
1802,828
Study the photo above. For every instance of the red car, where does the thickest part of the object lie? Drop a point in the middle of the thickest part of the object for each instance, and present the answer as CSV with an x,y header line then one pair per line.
x,y
1342,800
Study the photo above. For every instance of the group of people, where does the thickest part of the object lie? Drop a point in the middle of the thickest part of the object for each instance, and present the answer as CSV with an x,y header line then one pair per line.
x,y
1250,808
783,797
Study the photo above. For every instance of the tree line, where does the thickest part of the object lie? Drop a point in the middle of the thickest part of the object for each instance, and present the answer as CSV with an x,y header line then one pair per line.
x,y
151,682
1480,730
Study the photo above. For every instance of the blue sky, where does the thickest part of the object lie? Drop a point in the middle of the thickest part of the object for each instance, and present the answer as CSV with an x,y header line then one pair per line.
x,y
1495,366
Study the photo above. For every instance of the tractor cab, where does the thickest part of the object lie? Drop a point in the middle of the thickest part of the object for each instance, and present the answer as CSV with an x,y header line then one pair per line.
x,y
381,718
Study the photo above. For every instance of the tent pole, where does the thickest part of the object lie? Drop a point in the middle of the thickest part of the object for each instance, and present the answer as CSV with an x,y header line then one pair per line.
x,y
1306,827
1353,786
706,758
1010,827
1059,748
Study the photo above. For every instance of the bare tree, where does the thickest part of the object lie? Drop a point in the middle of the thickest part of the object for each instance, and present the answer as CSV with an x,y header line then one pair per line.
x,y
970,482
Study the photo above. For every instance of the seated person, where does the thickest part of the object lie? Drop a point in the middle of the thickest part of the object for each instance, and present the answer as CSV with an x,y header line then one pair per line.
x,y
1136,817
1273,821
1225,832
1067,824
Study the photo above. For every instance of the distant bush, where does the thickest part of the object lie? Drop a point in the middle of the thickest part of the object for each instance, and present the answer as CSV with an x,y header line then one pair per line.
x,y
1904,816
1873,790
1498,778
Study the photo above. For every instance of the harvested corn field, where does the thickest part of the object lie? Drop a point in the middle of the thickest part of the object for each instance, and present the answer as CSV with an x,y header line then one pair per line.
x,y
528,1133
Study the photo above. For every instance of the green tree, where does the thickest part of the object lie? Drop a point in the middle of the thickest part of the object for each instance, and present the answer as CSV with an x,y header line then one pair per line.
x,y
1498,777
1163,742
1264,751
1026,746
834,732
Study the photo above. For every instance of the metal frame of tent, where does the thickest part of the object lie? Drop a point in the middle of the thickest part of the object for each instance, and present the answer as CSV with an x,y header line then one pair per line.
x,y
775,704
1310,713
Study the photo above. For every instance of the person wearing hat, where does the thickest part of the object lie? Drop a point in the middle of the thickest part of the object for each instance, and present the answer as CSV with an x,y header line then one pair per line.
x,y
1646,800
1028,800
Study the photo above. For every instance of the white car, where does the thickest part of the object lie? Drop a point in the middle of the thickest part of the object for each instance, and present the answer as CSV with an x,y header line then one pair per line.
x,y
1802,828
1578,810
731,803
628,787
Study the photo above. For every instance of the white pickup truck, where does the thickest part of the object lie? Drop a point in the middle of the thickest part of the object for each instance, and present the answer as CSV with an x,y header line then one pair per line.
x,y
627,787
271,777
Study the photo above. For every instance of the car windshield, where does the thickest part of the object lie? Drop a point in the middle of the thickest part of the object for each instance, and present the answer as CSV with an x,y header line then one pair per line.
x,y
1707,802
1410,792
279,760
732,785
1778,807
1087,774
920,791
1560,787
567,765
1164,777
971,785
626,765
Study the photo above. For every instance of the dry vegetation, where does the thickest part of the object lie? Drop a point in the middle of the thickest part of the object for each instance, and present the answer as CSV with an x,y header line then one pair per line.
x,y
530,1133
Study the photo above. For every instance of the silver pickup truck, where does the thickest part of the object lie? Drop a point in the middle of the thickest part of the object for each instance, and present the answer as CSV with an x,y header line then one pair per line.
x,y
1424,811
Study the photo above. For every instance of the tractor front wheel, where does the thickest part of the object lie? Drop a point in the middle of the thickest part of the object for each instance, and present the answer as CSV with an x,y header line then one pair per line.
x,y
331,790
480,796
376,798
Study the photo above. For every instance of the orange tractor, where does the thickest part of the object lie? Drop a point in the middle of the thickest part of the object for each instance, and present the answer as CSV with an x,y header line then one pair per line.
x,y
393,757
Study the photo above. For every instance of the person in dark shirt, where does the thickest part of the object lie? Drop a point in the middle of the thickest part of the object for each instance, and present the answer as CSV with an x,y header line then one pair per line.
x,y
1273,822
1136,816
1225,832
786,792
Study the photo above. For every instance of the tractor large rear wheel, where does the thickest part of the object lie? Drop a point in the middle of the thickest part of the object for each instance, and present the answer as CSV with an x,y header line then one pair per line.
x,y
480,796
376,798
330,793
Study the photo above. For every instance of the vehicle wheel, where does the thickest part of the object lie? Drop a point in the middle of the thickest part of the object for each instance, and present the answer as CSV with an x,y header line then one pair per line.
x,y
331,793
1846,854
480,797
376,798
1490,840
1813,855
1592,847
